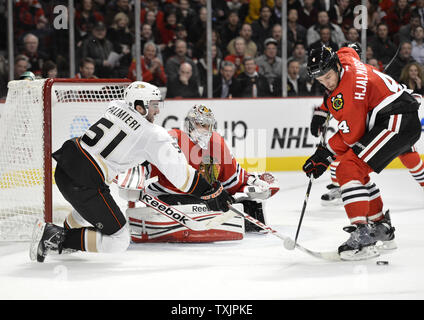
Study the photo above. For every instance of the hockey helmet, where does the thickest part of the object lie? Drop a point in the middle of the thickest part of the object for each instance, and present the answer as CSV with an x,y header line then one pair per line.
x,y
354,45
199,124
141,93
321,60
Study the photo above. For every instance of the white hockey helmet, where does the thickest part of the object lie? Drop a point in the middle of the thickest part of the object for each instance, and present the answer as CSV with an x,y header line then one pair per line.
x,y
199,124
141,93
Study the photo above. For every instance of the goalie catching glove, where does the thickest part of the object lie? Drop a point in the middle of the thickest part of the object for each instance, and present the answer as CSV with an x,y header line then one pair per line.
x,y
318,163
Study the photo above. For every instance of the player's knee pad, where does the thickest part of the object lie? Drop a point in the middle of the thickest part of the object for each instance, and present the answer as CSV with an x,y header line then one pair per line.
x,y
116,242
75,221
352,168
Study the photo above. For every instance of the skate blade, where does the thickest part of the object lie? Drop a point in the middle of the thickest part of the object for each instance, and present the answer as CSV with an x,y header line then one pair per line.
x,y
37,234
356,255
386,245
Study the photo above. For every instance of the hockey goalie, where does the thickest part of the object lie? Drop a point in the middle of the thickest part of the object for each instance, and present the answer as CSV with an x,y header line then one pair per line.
x,y
207,152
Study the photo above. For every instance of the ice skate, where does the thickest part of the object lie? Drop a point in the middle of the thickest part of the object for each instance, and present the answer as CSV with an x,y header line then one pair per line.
x,y
333,197
45,237
384,233
360,245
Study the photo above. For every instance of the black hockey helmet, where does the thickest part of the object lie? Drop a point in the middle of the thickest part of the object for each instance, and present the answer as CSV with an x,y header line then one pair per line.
x,y
321,60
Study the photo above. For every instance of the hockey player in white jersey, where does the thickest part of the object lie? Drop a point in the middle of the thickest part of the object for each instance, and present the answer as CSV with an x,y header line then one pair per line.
x,y
122,138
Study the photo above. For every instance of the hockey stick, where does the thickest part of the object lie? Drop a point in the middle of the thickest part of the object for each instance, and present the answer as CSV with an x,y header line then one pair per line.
x,y
311,180
288,242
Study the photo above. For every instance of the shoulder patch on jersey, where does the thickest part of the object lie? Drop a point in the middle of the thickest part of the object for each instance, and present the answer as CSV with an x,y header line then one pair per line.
x,y
337,102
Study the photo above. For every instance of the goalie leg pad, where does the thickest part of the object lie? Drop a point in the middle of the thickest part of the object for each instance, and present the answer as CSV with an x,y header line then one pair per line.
x,y
255,210
147,225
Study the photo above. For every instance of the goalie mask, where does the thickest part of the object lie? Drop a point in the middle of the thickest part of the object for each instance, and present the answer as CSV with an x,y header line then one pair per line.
x,y
199,124
144,94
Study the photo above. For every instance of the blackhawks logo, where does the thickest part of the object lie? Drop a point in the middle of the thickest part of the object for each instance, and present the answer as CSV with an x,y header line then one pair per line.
x,y
209,169
337,102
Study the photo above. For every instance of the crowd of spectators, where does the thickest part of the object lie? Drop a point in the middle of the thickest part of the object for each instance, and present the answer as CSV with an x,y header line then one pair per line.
x,y
246,42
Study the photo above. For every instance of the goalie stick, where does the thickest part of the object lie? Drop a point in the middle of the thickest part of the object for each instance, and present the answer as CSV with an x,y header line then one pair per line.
x,y
328,256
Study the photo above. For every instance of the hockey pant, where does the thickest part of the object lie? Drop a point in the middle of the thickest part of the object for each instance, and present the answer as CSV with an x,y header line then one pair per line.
x,y
389,138
81,183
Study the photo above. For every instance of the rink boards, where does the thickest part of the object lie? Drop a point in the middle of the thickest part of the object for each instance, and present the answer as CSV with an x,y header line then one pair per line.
x,y
264,134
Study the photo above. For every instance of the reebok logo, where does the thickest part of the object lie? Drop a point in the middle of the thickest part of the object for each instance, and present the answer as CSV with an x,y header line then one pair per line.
x,y
173,214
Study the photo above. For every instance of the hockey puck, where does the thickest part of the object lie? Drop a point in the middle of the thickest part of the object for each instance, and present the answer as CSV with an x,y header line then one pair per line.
x,y
289,244
382,263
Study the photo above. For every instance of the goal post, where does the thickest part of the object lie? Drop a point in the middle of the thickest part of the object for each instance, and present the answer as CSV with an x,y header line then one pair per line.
x,y
36,119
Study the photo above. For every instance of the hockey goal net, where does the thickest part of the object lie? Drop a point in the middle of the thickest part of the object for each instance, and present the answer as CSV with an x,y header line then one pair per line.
x,y
36,119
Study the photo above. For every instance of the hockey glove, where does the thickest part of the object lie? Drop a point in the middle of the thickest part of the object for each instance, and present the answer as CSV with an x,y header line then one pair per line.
x,y
217,199
318,120
318,163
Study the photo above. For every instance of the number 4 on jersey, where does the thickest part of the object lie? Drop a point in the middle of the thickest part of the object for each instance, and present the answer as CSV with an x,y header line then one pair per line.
x,y
343,127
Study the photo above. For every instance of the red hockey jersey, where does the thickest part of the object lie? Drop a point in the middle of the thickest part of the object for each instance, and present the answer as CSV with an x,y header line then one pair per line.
x,y
215,163
363,91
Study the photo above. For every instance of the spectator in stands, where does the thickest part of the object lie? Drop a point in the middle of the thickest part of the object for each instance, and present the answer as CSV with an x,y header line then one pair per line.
x,y
202,66
369,56
401,60
399,15
35,56
21,65
152,70
28,16
251,83
352,35
172,65
168,26
254,11
200,47
157,15
406,32
183,86
296,32
374,62
325,40
224,84
341,14
238,56
295,85
146,35
418,45
186,13
419,11
85,18
412,76
383,48
180,34
87,67
97,47
262,27
313,35
198,27
269,64
277,35
150,19
122,39
299,54
246,34
308,14
49,70
230,29
116,6
374,17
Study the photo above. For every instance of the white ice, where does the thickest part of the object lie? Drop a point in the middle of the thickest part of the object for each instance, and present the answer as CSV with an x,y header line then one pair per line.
x,y
257,267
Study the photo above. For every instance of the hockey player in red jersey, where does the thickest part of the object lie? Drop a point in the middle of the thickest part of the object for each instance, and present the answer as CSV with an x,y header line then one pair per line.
x,y
377,121
207,152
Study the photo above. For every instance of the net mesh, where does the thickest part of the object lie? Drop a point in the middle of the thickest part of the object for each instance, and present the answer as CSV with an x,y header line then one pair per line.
x,y
74,106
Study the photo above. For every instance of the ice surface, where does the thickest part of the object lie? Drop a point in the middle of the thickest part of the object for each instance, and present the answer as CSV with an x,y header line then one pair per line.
x,y
257,267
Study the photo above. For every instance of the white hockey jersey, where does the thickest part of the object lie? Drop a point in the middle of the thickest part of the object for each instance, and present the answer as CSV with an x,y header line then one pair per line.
x,y
123,138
